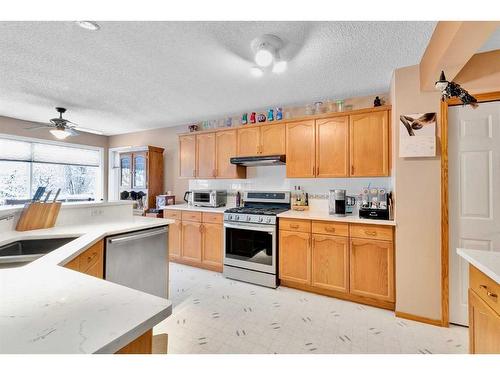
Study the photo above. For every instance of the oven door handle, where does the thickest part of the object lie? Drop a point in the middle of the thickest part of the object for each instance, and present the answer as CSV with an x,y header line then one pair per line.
x,y
271,231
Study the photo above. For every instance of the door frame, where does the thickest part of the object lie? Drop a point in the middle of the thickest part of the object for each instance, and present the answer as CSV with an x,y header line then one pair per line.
x,y
445,238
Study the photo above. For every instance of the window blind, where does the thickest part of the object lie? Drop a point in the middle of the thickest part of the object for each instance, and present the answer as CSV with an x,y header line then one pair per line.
x,y
48,153
15,150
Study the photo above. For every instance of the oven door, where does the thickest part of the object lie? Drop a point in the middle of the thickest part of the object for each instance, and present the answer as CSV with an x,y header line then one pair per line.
x,y
250,246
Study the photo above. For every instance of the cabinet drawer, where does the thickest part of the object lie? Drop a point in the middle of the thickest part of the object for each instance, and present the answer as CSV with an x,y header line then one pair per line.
x,y
170,214
295,225
377,232
191,216
485,287
329,227
209,217
91,256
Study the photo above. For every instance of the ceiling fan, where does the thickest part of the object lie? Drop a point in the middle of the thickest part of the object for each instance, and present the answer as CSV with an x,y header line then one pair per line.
x,y
62,128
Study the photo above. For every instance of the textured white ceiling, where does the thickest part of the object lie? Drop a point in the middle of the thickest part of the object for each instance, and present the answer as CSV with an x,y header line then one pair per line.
x,y
140,75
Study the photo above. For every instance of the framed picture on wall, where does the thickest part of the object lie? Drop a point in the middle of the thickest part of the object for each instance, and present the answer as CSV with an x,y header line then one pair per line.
x,y
417,135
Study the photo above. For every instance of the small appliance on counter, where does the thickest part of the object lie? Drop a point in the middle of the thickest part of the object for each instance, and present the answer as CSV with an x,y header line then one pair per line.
x,y
299,199
165,200
206,198
339,203
375,204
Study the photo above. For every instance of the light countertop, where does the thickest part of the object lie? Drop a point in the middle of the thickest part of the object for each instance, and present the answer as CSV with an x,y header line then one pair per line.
x,y
185,207
46,308
324,215
488,262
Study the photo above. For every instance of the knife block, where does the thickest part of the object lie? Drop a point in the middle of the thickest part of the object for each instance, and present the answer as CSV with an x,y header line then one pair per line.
x,y
38,215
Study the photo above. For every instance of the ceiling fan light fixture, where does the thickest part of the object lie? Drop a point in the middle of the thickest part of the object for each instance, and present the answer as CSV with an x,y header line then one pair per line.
x,y
280,66
264,56
59,133
88,25
256,71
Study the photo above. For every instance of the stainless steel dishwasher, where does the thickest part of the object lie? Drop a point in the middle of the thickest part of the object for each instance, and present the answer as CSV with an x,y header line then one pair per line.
x,y
139,260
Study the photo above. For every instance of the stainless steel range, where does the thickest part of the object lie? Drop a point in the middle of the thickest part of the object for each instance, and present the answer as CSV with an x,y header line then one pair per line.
x,y
251,237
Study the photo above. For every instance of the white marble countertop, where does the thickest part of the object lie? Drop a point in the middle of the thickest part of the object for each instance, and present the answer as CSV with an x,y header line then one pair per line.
x,y
324,215
488,262
185,207
46,308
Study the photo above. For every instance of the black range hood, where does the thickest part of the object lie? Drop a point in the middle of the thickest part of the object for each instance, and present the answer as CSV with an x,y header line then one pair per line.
x,y
258,161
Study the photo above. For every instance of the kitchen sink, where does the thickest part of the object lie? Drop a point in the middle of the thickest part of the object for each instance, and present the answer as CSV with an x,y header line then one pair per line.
x,y
25,251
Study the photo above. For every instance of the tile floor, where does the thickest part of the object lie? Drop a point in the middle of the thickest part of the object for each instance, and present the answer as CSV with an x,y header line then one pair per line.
x,y
212,314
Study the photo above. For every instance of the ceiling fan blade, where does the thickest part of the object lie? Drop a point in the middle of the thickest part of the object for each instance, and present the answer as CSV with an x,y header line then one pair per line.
x,y
39,126
88,130
72,131
71,122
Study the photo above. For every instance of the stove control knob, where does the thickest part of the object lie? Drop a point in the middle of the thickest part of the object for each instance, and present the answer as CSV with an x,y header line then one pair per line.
x,y
249,218
261,219
269,220
237,217
230,217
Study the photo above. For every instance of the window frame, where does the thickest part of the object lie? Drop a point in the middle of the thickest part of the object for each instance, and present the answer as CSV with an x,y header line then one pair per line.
x,y
99,193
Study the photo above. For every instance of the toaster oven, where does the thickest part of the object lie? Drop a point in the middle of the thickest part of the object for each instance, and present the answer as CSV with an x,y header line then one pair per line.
x,y
209,198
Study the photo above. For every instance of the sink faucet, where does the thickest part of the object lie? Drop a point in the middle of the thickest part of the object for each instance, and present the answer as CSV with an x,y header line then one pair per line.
x,y
7,217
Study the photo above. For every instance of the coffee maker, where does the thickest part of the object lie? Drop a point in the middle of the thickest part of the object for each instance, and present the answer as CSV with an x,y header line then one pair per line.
x,y
339,203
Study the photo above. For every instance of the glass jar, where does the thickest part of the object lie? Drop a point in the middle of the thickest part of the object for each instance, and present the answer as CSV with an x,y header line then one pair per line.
x,y
340,105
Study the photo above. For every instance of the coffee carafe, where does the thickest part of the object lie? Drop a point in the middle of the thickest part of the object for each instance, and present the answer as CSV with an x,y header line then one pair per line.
x,y
336,202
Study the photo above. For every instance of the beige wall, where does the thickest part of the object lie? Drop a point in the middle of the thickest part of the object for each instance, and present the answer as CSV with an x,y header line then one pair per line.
x,y
17,127
417,206
166,138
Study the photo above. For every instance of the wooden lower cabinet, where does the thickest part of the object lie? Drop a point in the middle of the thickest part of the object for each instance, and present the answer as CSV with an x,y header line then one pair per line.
x,y
330,262
372,269
175,239
313,258
191,241
90,262
211,253
196,238
484,327
141,345
295,257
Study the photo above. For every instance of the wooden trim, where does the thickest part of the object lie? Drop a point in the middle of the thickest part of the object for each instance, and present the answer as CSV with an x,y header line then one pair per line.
x,y
332,293
196,264
421,319
445,240
296,119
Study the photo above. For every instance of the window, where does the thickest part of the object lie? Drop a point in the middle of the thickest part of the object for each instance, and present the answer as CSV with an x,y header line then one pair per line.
x,y
26,165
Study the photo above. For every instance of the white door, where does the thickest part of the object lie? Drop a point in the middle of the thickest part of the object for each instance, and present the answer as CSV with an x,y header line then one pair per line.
x,y
474,192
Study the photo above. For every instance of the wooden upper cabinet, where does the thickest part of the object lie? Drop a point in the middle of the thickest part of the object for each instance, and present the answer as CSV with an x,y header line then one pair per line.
x,y
205,155
372,269
272,139
332,147
226,148
187,156
369,144
248,141
330,262
300,149
295,257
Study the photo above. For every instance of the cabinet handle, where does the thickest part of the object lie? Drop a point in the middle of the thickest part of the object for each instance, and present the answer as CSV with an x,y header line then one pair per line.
x,y
214,172
492,295
194,172
201,228
294,226
352,170
370,233
330,229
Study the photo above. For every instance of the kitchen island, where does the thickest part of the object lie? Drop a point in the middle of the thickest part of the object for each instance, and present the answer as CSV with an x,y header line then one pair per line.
x,y
47,308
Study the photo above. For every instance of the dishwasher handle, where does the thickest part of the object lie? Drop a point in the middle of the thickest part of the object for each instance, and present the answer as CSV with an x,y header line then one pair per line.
x,y
137,236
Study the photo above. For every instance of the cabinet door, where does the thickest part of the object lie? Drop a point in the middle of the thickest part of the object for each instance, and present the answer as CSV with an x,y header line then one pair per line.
x,y
332,147
372,269
272,139
369,144
205,155
187,156
96,270
295,257
300,149
139,168
212,244
249,141
484,327
330,262
191,241
126,170
226,145
174,239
